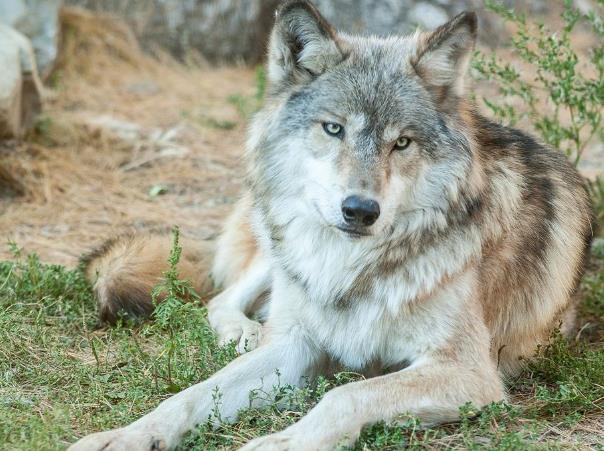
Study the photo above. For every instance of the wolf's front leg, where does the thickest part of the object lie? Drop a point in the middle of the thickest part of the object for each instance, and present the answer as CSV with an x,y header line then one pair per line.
x,y
432,390
227,312
286,359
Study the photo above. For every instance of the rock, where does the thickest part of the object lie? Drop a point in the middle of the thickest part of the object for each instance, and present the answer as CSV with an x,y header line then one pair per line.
x,y
39,21
387,17
379,17
220,30
237,30
427,15
532,7
20,86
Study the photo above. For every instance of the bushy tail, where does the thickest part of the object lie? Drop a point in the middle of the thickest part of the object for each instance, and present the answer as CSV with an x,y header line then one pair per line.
x,y
124,270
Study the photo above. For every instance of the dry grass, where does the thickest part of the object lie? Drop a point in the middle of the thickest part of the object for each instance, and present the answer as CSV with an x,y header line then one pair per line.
x,y
76,181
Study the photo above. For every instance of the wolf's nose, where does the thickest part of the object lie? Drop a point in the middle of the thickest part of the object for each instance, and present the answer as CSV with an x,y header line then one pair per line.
x,y
360,211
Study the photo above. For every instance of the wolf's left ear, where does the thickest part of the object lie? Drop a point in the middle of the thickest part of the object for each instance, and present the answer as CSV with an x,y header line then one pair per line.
x,y
303,44
443,55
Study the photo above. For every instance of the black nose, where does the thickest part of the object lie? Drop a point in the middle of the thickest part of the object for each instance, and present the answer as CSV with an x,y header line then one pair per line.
x,y
359,211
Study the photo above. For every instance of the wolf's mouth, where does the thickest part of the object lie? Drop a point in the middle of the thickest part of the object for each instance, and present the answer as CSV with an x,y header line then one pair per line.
x,y
348,231
353,233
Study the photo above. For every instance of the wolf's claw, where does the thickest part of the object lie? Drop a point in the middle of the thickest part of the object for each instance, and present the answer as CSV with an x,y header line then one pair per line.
x,y
245,332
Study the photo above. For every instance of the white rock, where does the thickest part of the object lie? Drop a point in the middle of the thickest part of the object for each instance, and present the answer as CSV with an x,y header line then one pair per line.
x,y
12,10
39,21
20,86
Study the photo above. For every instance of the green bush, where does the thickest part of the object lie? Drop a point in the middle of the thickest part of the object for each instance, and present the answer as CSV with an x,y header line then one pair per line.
x,y
561,100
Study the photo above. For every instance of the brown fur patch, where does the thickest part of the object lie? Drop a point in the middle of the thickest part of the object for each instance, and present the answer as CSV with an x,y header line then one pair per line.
x,y
124,270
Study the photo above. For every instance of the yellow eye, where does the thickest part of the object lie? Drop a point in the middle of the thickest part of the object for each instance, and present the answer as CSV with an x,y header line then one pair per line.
x,y
402,143
333,129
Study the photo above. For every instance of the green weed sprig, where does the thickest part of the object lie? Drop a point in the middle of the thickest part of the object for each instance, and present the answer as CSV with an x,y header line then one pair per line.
x,y
574,97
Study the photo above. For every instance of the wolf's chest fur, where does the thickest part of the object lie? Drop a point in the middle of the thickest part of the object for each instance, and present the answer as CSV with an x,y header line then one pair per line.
x,y
359,307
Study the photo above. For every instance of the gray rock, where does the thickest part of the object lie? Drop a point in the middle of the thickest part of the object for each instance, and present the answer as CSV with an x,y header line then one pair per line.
x,y
427,15
221,30
379,17
11,11
39,21
237,30
20,86
533,6
386,17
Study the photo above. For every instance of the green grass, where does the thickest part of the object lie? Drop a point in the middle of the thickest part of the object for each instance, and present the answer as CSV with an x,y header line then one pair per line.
x,y
61,376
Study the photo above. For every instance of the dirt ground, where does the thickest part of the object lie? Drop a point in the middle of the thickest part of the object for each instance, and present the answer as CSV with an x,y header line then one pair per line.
x,y
128,142
124,143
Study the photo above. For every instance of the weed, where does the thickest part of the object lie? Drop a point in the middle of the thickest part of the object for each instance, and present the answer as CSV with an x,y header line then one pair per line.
x,y
61,376
181,319
208,121
220,124
572,114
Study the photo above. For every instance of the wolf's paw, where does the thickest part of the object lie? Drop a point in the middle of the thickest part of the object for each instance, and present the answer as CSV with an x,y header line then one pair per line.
x,y
274,442
300,437
245,332
119,440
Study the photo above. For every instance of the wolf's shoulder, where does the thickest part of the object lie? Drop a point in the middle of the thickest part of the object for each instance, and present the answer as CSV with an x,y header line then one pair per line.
x,y
501,143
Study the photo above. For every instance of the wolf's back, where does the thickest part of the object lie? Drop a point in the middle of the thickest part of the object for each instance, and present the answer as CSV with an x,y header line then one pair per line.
x,y
124,270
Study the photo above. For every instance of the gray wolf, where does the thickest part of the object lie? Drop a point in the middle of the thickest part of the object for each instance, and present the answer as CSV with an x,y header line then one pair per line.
x,y
389,228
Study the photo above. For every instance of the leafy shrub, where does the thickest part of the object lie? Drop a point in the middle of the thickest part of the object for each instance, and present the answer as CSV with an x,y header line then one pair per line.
x,y
563,102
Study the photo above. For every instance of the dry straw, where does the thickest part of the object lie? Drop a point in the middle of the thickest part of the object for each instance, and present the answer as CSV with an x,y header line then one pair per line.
x,y
127,141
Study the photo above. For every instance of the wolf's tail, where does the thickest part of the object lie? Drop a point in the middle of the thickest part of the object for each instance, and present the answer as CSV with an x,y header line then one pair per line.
x,y
124,270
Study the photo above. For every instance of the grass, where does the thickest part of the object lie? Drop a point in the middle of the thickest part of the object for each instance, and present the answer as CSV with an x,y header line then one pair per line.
x,y
61,376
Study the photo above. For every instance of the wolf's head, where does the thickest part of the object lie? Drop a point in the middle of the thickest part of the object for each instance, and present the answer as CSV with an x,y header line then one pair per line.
x,y
360,134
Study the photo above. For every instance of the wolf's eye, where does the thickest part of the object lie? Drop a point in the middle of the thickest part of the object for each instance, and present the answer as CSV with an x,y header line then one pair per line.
x,y
402,143
333,129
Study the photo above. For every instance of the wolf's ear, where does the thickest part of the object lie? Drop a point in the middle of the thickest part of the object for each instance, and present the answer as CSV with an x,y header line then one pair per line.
x,y
443,55
303,44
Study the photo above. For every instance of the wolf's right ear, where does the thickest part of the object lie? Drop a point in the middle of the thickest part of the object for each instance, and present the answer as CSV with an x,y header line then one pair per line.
x,y
443,56
303,44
